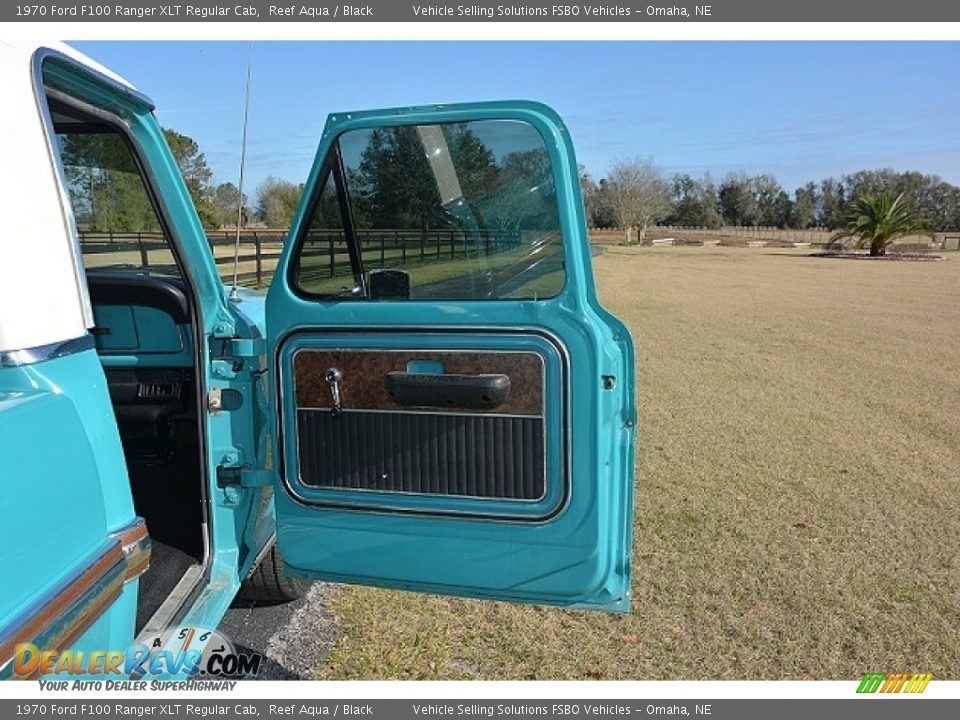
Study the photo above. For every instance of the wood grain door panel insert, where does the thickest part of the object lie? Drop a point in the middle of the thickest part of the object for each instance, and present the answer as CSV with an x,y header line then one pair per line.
x,y
363,373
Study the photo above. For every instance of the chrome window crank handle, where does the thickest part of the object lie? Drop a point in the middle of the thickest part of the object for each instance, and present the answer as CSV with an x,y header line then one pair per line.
x,y
333,376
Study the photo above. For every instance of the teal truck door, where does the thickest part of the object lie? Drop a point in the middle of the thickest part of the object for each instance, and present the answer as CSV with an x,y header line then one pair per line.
x,y
455,409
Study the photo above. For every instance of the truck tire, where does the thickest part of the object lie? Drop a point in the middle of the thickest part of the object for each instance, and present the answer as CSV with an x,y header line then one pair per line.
x,y
267,585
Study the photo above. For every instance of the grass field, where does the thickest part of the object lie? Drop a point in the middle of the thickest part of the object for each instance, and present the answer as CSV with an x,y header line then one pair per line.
x,y
797,489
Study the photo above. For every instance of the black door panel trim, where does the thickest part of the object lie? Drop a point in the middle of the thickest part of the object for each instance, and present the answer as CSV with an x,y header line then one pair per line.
x,y
563,400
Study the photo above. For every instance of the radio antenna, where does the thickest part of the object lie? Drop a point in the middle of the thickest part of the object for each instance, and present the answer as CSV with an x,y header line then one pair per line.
x,y
234,291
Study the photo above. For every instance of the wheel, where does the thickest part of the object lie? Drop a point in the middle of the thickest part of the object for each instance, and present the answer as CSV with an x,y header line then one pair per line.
x,y
268,585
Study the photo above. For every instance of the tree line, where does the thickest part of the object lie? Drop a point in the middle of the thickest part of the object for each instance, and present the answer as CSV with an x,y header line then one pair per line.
x,y
393,185
109,195
636,193
275,200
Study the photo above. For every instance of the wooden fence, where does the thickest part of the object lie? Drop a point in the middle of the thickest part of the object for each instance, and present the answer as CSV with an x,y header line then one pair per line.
x,y
753,235
260,250
727,235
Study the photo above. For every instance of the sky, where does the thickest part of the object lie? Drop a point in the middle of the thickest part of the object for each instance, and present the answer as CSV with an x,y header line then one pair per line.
x,y
799,111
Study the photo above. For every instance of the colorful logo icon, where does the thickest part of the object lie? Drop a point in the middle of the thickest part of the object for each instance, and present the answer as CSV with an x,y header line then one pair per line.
x,y
894,682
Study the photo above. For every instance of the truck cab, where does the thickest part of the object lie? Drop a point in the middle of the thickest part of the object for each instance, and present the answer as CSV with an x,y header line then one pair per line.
x,y
428,396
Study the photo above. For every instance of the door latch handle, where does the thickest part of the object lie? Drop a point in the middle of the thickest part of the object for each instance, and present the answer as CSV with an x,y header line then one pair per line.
x,y
333,376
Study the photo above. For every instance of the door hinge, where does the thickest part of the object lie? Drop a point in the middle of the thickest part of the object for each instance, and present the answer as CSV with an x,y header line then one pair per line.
x,y
243,476
223,329
236,356
246,347
225,369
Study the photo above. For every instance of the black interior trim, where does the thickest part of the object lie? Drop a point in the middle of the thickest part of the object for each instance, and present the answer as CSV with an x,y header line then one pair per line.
x,y
481,457
486,392
125,288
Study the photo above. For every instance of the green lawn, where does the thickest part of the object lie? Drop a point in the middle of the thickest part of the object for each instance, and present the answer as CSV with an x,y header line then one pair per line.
x,y
797,487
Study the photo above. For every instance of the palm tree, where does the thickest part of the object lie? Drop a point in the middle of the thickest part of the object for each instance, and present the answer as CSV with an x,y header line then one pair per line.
x,y
877,221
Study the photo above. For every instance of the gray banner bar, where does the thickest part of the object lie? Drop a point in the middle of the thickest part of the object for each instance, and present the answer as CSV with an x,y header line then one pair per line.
x,y
874,708
322,11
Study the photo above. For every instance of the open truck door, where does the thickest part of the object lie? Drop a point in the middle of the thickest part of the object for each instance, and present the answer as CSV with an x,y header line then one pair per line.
x,y
455,409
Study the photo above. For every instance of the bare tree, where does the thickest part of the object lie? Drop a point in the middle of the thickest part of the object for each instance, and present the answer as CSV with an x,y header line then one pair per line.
x,y
276,201
638,193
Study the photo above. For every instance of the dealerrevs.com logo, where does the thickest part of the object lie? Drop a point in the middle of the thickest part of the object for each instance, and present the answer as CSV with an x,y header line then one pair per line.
x,y
894,683
183,651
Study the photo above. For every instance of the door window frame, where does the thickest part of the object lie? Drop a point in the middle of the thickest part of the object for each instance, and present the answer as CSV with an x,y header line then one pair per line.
x,y
332,167
44,93
333,162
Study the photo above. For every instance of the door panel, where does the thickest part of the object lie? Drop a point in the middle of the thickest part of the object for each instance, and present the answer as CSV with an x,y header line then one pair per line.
x,y
455,408
432,432
367,373
489,462
466,456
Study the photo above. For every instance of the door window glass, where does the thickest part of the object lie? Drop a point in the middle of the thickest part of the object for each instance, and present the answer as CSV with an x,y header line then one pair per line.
x,y
117,223
323,263
458,211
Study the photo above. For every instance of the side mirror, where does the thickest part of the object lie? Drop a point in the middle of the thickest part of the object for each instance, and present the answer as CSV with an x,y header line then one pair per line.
x,y
389,285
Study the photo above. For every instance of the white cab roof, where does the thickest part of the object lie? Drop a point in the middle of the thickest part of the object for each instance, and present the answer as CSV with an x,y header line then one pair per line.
x,y
43,296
